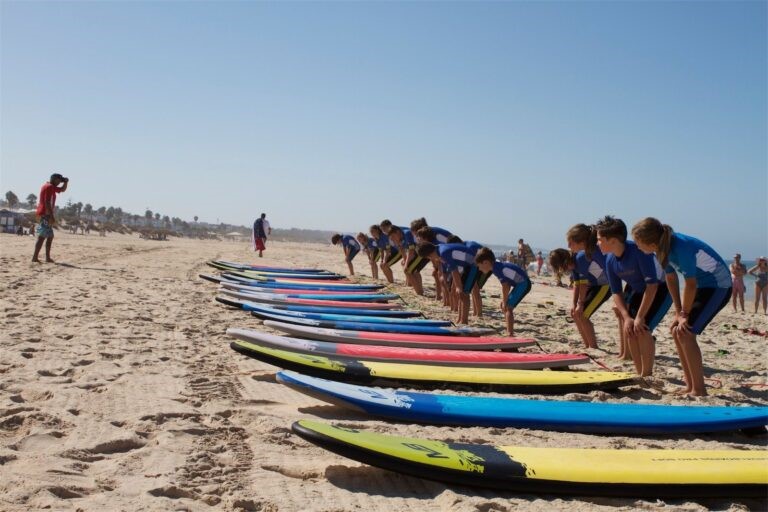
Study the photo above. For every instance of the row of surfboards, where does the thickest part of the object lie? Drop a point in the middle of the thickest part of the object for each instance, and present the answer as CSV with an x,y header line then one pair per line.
x,y
341,338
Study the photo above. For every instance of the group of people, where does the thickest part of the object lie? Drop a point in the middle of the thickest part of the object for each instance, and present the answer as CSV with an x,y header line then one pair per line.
x,y
640,275
760,271
459,268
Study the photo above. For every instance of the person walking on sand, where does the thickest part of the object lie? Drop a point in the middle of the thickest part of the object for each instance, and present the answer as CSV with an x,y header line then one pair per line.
x,y
261,229
738,269
760,271
707,290
46,208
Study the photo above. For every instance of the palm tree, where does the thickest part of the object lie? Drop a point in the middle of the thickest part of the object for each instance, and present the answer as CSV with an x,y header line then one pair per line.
x,y
12,199
148,216
195,218
32,201
88,210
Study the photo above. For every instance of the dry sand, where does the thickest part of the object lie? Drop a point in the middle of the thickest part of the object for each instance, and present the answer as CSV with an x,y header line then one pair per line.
x,y
118,391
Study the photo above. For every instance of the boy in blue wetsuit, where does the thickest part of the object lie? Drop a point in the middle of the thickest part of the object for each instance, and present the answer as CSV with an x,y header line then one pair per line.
x,y
351,248
385,250
707,290
515,283
371,248
590,290
435,235
645,300
403,240
459,264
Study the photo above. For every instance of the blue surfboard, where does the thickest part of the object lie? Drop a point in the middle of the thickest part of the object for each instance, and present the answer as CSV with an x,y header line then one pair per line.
x,y
262,311
300,286
566,416
394,313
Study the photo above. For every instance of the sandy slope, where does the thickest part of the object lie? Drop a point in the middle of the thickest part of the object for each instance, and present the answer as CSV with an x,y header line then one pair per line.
x,y
118,391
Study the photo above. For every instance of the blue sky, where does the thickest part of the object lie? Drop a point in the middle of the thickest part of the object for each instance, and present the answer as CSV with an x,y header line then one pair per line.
x,y
495,120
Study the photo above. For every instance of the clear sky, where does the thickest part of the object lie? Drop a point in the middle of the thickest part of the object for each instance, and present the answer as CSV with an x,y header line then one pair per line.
x,y
496,120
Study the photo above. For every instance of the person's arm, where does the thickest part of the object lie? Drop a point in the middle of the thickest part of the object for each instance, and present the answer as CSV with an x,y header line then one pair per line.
x,y
752,270
689,296
456,280
64,188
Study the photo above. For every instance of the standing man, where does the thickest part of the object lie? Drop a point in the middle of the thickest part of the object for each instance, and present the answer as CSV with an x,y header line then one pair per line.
x,y
261,229
46,207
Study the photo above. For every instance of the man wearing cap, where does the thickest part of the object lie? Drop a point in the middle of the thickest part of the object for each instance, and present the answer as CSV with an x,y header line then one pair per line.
x,y
45,210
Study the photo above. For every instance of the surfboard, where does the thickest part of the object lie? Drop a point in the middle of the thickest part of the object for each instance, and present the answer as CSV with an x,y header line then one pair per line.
x,y
245,266
265,311
432,375
609,472
275,273
402,340
326,301
358,311
287,277
564,416
303,294
378,326
246,288
308,285
484,359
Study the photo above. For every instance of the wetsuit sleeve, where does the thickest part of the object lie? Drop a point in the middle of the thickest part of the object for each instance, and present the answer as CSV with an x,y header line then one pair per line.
x,y
614,281
647,263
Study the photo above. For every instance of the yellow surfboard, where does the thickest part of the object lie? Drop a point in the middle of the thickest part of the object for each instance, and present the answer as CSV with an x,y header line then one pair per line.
x,y
653,473
414,374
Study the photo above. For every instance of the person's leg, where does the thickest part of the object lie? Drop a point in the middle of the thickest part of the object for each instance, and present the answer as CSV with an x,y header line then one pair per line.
x,y
647,353
463,308
741,300
623,343
634,351
734,299
387,272
765,299
695,368
757,297
510,317
684,364
351,268
477,301
588,333
48,244
418,286
438,285
38,246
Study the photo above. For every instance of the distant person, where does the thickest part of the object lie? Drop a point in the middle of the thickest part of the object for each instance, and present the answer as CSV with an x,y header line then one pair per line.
x,y
386,251
515,283
645,301
351,248
371,249
738,270
539,263
261,229
706,291
524,254
760,271
459,262
46,207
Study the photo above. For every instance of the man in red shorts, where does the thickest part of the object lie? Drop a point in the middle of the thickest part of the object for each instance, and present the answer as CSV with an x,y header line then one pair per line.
x,y
45,209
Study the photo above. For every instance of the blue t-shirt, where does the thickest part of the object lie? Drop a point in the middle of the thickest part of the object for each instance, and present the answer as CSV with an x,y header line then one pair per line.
x,y
372,244
456,256
441,235
592,271
510,274
694,258
634,267
408,239
349,241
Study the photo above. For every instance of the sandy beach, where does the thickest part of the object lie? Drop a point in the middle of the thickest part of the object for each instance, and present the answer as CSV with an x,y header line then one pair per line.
x,y
118,390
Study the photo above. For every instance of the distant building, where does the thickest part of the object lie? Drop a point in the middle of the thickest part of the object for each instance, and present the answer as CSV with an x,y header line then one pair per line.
x,y
10,220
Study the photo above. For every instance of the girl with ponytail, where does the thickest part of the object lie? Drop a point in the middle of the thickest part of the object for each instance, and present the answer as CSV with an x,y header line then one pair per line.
x,y
706,291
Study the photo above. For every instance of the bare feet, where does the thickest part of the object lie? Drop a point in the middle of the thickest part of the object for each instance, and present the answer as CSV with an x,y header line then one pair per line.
x,y
49,260
36,260
683,391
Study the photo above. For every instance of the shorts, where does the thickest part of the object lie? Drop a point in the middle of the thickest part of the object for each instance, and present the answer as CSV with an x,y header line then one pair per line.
x,y
482,279
706,304
659,307
374,254
392,256
351,254
596,296
517,293
470,277
44,229
417,265
738,284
